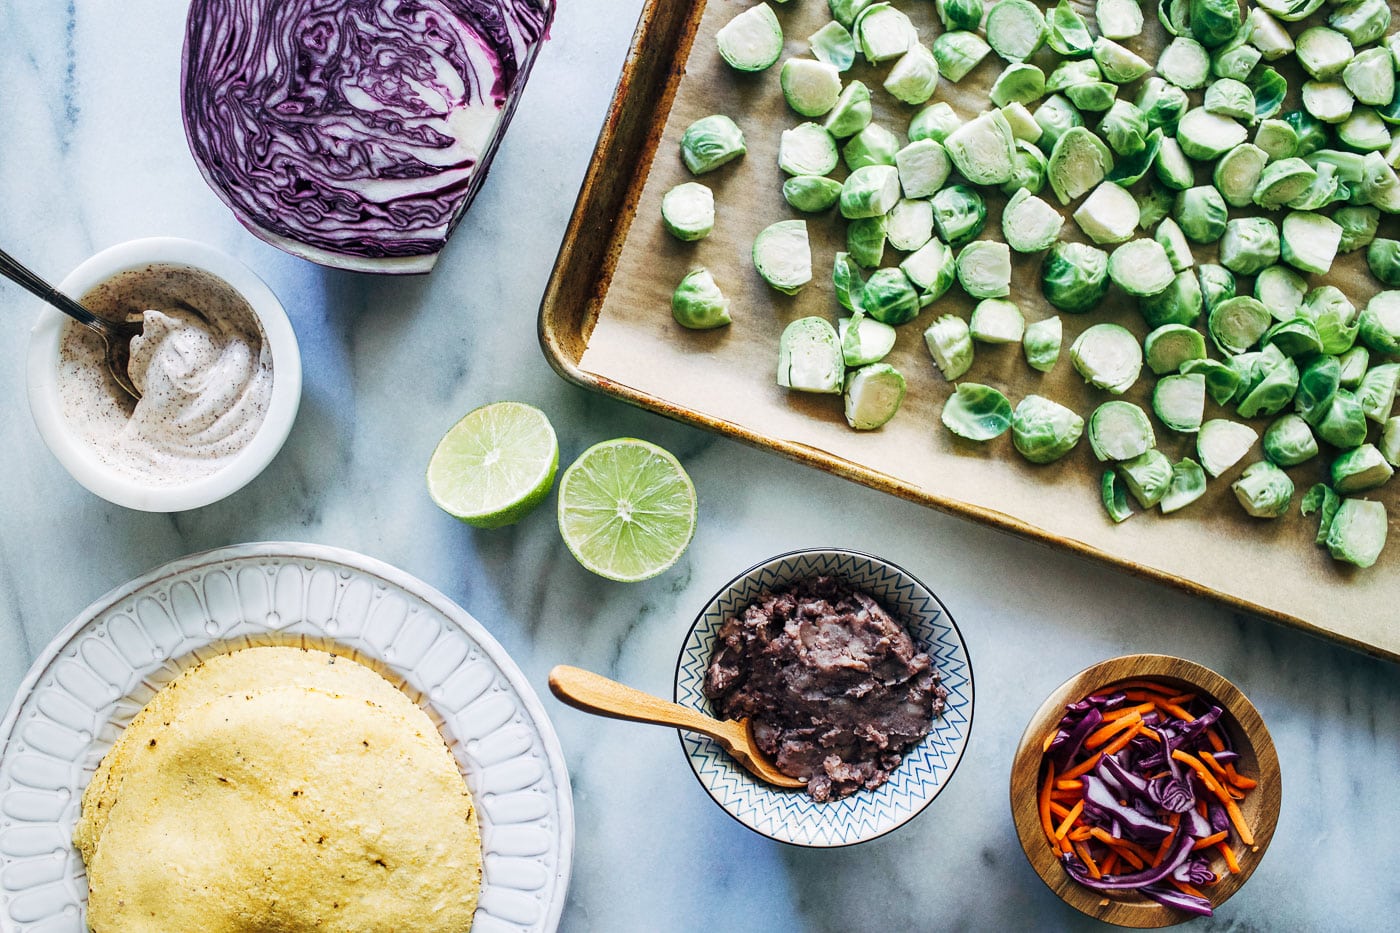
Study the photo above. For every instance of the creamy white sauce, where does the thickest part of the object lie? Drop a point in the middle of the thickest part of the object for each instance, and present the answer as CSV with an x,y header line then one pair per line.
x,y
205,379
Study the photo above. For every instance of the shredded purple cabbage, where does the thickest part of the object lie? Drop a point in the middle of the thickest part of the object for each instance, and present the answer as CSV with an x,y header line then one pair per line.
x,y
354,132
1131,793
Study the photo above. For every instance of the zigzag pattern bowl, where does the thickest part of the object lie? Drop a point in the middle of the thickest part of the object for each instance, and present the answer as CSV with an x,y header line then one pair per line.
x,y
793,817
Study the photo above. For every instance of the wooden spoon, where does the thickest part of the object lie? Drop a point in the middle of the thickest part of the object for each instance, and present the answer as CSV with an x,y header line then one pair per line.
x,y
594,693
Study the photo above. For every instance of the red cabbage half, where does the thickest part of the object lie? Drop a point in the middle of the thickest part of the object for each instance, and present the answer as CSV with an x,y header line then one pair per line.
x,y
354,133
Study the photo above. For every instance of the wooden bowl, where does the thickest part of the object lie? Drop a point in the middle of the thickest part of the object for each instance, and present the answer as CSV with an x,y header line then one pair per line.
x,y
1241,722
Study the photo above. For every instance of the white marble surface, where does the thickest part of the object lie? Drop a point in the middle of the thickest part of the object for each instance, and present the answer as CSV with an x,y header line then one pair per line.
x,y
92,153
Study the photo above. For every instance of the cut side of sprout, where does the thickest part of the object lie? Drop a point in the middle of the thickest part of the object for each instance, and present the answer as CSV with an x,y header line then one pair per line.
x,y
1108,356
932,267
873,396
1109,215
1310,241
1120,431
996,320
949,342
1263,490
752,40
1141,268
1016,29
984,269
807,149
809,357
1115,498
910,224
1358,531
883,33
1041,343
958,52
983,149
852,113
1029,224
1220,444
1078,162
864,340
923,168
783,257
688,211
810,87
1179,401
913,78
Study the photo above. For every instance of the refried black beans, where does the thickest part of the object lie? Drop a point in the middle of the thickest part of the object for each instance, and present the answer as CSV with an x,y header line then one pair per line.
x,y
834,686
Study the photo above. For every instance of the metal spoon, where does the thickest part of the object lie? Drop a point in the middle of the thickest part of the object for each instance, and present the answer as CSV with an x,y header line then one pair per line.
x,y
116,335
594,693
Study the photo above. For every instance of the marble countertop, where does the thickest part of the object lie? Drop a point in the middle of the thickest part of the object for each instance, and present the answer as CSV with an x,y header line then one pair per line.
x,y
93,154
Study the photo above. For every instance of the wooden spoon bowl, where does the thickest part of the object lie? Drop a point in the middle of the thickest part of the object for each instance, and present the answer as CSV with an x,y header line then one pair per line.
x,y
1248,735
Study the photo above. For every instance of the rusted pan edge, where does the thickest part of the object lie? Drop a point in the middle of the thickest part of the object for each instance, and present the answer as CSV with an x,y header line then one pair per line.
x,y
588,257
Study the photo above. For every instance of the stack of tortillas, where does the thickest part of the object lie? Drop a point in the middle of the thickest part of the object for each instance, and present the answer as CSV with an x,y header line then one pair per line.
x,y
280,789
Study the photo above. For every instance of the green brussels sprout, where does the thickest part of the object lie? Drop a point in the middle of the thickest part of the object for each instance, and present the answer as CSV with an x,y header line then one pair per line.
x,y
1028,170
1343,423
688,211
1162,104
883,33
1147,476
984,269
1264,491
1317,384
1361,21
1360,469
1019,83
1068,34
697,302
1220,444
1217,284
1380,323
1179,401
914,77
711,142
959,213
889,297
949,342
1055,117
1074,276
852,113
865,240
1289,441
1043,431
1179,303
811,87
1249,245
1357,532
996,320
846,281
934,122
870,191
1078,162
1108,356
1120,431
752,40
809,357
1359,225
1115,498
834,45
873,145
782,255
1124,128
1201,213
1187,484
807,149
958,52
1383,257
976,412
932,268
983,149
1230,98
811,193
873,395
864,340
960,14
1041,343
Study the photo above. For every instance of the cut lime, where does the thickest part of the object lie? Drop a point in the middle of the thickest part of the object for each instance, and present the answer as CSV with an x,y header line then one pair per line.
x,y
495,465
626,509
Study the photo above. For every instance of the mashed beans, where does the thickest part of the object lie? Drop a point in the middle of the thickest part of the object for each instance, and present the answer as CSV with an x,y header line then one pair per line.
x,y
835,687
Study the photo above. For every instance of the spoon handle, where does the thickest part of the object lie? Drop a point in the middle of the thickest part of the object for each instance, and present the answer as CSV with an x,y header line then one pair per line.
x,y
594,693
25,278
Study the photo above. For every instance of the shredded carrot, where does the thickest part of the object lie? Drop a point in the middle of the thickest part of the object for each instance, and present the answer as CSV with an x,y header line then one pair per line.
x,y
1212,785
1142,709
1239,780
1215,766
1087,859
1230,861
1211,840
1104,733
1061,801
1177,711
1044,804
1187,889
1049,740
1063,829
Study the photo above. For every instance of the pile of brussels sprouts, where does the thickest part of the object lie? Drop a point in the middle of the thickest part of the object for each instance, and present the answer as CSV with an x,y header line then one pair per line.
x,y
1078,122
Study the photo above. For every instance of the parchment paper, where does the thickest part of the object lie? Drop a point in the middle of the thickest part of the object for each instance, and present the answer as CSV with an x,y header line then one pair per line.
x,y
728,374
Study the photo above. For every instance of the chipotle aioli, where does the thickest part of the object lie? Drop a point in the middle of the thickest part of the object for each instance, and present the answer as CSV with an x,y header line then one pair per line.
x,y
205,378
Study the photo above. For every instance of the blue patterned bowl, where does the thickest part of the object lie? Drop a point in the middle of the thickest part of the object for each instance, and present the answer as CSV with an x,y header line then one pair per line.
x,y
792,816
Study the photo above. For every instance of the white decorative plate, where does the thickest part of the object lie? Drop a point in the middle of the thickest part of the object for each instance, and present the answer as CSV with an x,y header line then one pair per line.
x,y
792,816
104,666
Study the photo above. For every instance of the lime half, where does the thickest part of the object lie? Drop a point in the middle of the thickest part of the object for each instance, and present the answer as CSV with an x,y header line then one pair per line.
x,y
626,509
494,465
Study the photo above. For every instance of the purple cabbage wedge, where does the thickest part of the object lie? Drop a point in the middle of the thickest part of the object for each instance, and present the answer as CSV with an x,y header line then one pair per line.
x,y
354,133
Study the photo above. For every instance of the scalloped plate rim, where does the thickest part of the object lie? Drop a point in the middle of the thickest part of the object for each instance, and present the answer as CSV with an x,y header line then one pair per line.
x,y
452,613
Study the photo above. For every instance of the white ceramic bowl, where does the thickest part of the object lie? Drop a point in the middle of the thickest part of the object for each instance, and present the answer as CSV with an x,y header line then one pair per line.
x,y
792,816
82,461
